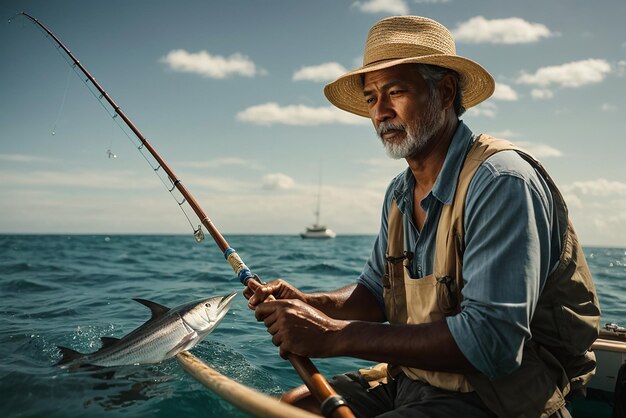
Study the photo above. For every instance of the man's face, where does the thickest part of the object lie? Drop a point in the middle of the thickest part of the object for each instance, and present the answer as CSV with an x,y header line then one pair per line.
x,y
405,114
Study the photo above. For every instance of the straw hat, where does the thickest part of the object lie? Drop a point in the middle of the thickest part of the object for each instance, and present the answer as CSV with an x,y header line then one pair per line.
x,y
403,40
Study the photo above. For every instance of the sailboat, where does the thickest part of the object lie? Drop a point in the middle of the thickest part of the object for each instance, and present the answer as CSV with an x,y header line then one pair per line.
x,y
317,230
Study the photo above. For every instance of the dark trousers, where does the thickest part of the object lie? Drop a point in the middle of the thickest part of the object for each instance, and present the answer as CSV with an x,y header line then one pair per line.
x,y
403,397
619,409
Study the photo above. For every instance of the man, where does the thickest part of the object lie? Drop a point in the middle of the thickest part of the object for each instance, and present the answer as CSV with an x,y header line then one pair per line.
x,y
476,299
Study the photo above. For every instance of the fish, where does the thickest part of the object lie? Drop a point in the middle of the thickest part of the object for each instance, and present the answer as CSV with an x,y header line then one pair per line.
x,y
165,334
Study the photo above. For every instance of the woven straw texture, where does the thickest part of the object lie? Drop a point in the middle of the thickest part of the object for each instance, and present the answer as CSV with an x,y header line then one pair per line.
x,y
404,40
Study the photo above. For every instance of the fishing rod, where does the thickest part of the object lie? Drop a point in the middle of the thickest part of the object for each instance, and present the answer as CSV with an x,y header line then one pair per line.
x,y
331,403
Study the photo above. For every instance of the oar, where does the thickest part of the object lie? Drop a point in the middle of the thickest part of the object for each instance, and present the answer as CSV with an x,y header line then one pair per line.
x,y
311,377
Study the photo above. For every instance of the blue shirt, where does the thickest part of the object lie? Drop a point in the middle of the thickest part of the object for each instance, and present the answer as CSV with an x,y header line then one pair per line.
x,y
512,243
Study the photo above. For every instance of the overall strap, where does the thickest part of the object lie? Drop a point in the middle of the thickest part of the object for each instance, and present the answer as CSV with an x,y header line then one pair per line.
x,y
394,292
450,231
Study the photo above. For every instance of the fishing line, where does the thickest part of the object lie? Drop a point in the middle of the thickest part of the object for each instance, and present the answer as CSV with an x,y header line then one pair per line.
x,y
67,85
110,153
180,201
169,184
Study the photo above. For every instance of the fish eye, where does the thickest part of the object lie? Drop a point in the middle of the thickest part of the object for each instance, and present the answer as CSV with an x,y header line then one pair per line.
x,y
208,305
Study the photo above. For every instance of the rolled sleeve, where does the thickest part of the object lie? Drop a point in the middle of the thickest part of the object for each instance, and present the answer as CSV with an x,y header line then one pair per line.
x,y
373,286
506,260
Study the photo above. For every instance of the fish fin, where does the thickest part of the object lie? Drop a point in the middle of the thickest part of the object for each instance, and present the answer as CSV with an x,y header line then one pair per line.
x,y
185,344
156,309
68,354
108,342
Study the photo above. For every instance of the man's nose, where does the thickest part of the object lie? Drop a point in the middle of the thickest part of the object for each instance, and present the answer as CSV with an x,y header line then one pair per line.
x,y
383,110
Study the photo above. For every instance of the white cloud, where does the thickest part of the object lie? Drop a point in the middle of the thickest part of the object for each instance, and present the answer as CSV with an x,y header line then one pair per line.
x,y
598,210
224,184
572,74
541,94
88,179
277,181
506,134
218,163
383,163
513,30
610,224
384,168
323,72
599,187
486,109
398,7
539,150
571,200
24,158
504,92
607,107
271,113
212,66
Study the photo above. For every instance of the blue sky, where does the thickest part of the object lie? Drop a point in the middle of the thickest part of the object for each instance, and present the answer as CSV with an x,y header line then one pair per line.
x,y
230,94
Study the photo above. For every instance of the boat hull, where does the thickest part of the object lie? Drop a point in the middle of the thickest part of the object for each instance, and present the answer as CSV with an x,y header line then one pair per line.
x,y
318,234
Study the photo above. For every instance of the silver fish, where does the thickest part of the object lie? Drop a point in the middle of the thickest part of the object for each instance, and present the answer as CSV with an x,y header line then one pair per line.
x,y
166,334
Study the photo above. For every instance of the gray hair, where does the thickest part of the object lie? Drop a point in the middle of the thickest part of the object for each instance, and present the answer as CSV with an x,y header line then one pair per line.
x,y
433,74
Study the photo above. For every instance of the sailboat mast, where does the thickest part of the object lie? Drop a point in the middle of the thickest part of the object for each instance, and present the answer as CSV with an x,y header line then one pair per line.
x,y
319,196
317,230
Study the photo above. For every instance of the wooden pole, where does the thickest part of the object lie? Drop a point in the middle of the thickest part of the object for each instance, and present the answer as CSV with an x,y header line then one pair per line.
x,y
242,397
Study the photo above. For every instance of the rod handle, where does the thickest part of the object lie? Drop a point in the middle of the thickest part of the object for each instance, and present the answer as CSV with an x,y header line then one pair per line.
x,y
317,384
312,378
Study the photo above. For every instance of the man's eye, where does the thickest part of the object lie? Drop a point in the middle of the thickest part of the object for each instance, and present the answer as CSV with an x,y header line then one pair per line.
x,y
369,100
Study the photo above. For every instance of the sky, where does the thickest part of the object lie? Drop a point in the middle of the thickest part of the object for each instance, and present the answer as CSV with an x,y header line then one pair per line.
x,y
230,93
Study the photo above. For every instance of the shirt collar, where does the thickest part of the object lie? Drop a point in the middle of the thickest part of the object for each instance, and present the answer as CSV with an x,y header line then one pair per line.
x,y
445,185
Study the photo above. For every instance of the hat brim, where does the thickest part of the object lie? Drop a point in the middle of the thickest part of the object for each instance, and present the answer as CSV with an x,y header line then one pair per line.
x,y
347,91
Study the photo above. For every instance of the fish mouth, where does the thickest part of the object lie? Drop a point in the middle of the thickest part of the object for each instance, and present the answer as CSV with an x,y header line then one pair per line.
x,y
226,300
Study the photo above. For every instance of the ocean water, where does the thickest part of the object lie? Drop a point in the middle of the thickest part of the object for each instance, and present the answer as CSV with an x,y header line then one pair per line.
x,y
71,289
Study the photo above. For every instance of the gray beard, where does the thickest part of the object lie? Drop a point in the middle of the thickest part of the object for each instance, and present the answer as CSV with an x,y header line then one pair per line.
x,y
417,136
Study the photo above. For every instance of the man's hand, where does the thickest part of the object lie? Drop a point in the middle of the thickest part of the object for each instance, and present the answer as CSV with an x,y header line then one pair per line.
x,y
257,293
299,328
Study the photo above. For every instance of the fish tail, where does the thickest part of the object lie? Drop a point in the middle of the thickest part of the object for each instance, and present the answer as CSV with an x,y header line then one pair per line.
x,y
68,354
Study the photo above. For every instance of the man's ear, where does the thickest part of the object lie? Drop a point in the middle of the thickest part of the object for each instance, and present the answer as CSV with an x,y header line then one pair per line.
x,y
447,91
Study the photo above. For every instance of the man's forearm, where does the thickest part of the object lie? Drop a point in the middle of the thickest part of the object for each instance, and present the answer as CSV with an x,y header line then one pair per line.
x,y
350,302
426,346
